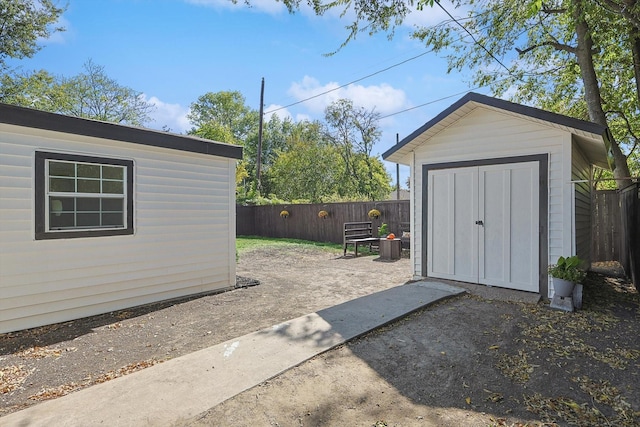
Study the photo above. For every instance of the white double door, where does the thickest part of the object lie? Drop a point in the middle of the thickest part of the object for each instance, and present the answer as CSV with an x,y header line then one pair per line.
x,y
483,224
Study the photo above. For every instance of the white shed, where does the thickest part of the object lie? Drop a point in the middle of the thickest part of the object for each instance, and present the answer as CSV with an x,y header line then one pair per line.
x,y
96,217
500,191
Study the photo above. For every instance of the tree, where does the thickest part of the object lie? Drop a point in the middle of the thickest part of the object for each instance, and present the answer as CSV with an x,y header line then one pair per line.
x,y
576,57
91,94
561,64
353,131
38,90
22,23
308,168
94,95
226,109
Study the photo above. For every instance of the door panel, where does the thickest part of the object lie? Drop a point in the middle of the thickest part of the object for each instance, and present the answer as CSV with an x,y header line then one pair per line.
x,y
451,240
500,251
492,235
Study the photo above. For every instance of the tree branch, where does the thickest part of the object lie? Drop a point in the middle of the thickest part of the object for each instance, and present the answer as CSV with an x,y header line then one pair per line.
x,y
555,45
548,11
622,9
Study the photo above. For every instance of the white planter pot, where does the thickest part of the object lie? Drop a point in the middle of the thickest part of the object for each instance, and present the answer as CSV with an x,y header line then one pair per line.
x,y
562,288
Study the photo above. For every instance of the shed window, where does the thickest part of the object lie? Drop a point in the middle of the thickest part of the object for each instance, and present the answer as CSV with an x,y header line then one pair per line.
x,y
82,196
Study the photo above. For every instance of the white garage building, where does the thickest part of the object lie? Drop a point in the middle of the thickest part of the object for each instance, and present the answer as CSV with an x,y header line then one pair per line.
x,y
500,191
96,217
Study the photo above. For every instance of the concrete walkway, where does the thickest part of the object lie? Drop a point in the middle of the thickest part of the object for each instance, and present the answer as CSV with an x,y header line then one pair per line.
x,y
186,386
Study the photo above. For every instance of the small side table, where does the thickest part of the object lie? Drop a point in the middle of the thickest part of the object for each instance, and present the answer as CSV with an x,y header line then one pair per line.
x,y
390,249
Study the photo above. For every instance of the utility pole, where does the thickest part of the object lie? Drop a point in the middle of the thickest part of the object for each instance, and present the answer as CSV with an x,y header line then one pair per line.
x,y
259,156
397,172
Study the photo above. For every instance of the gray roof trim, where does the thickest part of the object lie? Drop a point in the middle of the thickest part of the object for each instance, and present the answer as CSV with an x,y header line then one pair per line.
x,y
524,110
20,116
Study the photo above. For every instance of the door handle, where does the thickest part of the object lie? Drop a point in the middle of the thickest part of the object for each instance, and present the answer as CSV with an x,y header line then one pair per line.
x,y
480,223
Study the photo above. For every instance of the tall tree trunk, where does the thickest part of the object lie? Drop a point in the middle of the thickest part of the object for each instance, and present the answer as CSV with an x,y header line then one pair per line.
x,y
592,96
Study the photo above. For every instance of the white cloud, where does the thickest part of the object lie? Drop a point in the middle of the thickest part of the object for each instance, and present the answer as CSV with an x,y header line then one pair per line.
x,y
165,115
430,16
270,7
272,109
383,98
59,37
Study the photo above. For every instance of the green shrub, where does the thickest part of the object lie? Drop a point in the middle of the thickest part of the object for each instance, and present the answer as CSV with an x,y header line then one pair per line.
x,y
568,269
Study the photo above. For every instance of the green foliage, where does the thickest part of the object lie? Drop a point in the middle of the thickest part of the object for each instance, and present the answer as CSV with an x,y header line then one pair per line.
x,y
255,199
568,269
353,131
302,161
37,90
91,94
94,95
215,132
307,168
383,230
223,110
575,57
22,23
532,51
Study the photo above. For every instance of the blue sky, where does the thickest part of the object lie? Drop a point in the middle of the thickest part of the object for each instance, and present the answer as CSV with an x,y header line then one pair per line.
x,y
176,50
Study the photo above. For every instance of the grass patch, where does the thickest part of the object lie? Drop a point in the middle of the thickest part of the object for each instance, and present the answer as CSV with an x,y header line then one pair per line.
x,y
246,243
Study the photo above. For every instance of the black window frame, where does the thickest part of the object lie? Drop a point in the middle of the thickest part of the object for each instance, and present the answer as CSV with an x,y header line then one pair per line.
x,y
41,232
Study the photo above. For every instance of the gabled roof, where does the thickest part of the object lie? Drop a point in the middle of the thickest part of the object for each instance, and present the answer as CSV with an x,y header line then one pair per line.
x,y
594,139
26,117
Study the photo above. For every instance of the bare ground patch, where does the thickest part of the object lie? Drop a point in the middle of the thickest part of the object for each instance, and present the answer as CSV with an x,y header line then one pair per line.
x,y
470,361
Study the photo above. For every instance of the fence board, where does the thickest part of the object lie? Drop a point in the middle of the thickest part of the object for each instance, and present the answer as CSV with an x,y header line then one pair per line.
x,y
303,221
607,229
615,221
630,243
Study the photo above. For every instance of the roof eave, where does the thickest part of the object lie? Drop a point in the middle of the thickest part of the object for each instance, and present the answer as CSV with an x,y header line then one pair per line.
x,y
416,138
26,117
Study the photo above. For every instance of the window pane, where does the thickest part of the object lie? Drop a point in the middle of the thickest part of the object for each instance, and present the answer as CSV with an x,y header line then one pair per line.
x,y
112,187
112,172
62,169
88,171
58,205
113,219
88,186
66,185
64,220
88,219
113,205
85,204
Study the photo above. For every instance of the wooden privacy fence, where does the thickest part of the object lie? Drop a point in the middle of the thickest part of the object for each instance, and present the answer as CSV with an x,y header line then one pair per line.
x,y
615,221
606,226
616,229
304,223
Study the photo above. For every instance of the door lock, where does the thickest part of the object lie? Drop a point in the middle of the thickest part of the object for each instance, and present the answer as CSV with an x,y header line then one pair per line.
x,y
480,223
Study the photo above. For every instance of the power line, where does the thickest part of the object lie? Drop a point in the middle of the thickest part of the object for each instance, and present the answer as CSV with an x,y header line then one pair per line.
x,y
473,37
351,82
401,63
431,102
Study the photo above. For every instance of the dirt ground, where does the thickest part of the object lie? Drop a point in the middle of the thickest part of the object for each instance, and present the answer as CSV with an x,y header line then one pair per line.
x,y
470,360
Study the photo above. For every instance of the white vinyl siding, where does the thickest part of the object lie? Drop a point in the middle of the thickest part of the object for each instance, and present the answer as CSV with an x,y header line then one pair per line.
x,y
488,134
184,231
581,172
479,130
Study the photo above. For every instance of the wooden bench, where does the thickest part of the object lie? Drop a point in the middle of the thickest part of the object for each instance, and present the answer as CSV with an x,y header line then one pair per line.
x,y
358,233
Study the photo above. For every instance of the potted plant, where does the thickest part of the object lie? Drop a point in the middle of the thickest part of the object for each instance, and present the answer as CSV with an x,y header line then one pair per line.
x,y
383,230
566,273
374,214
